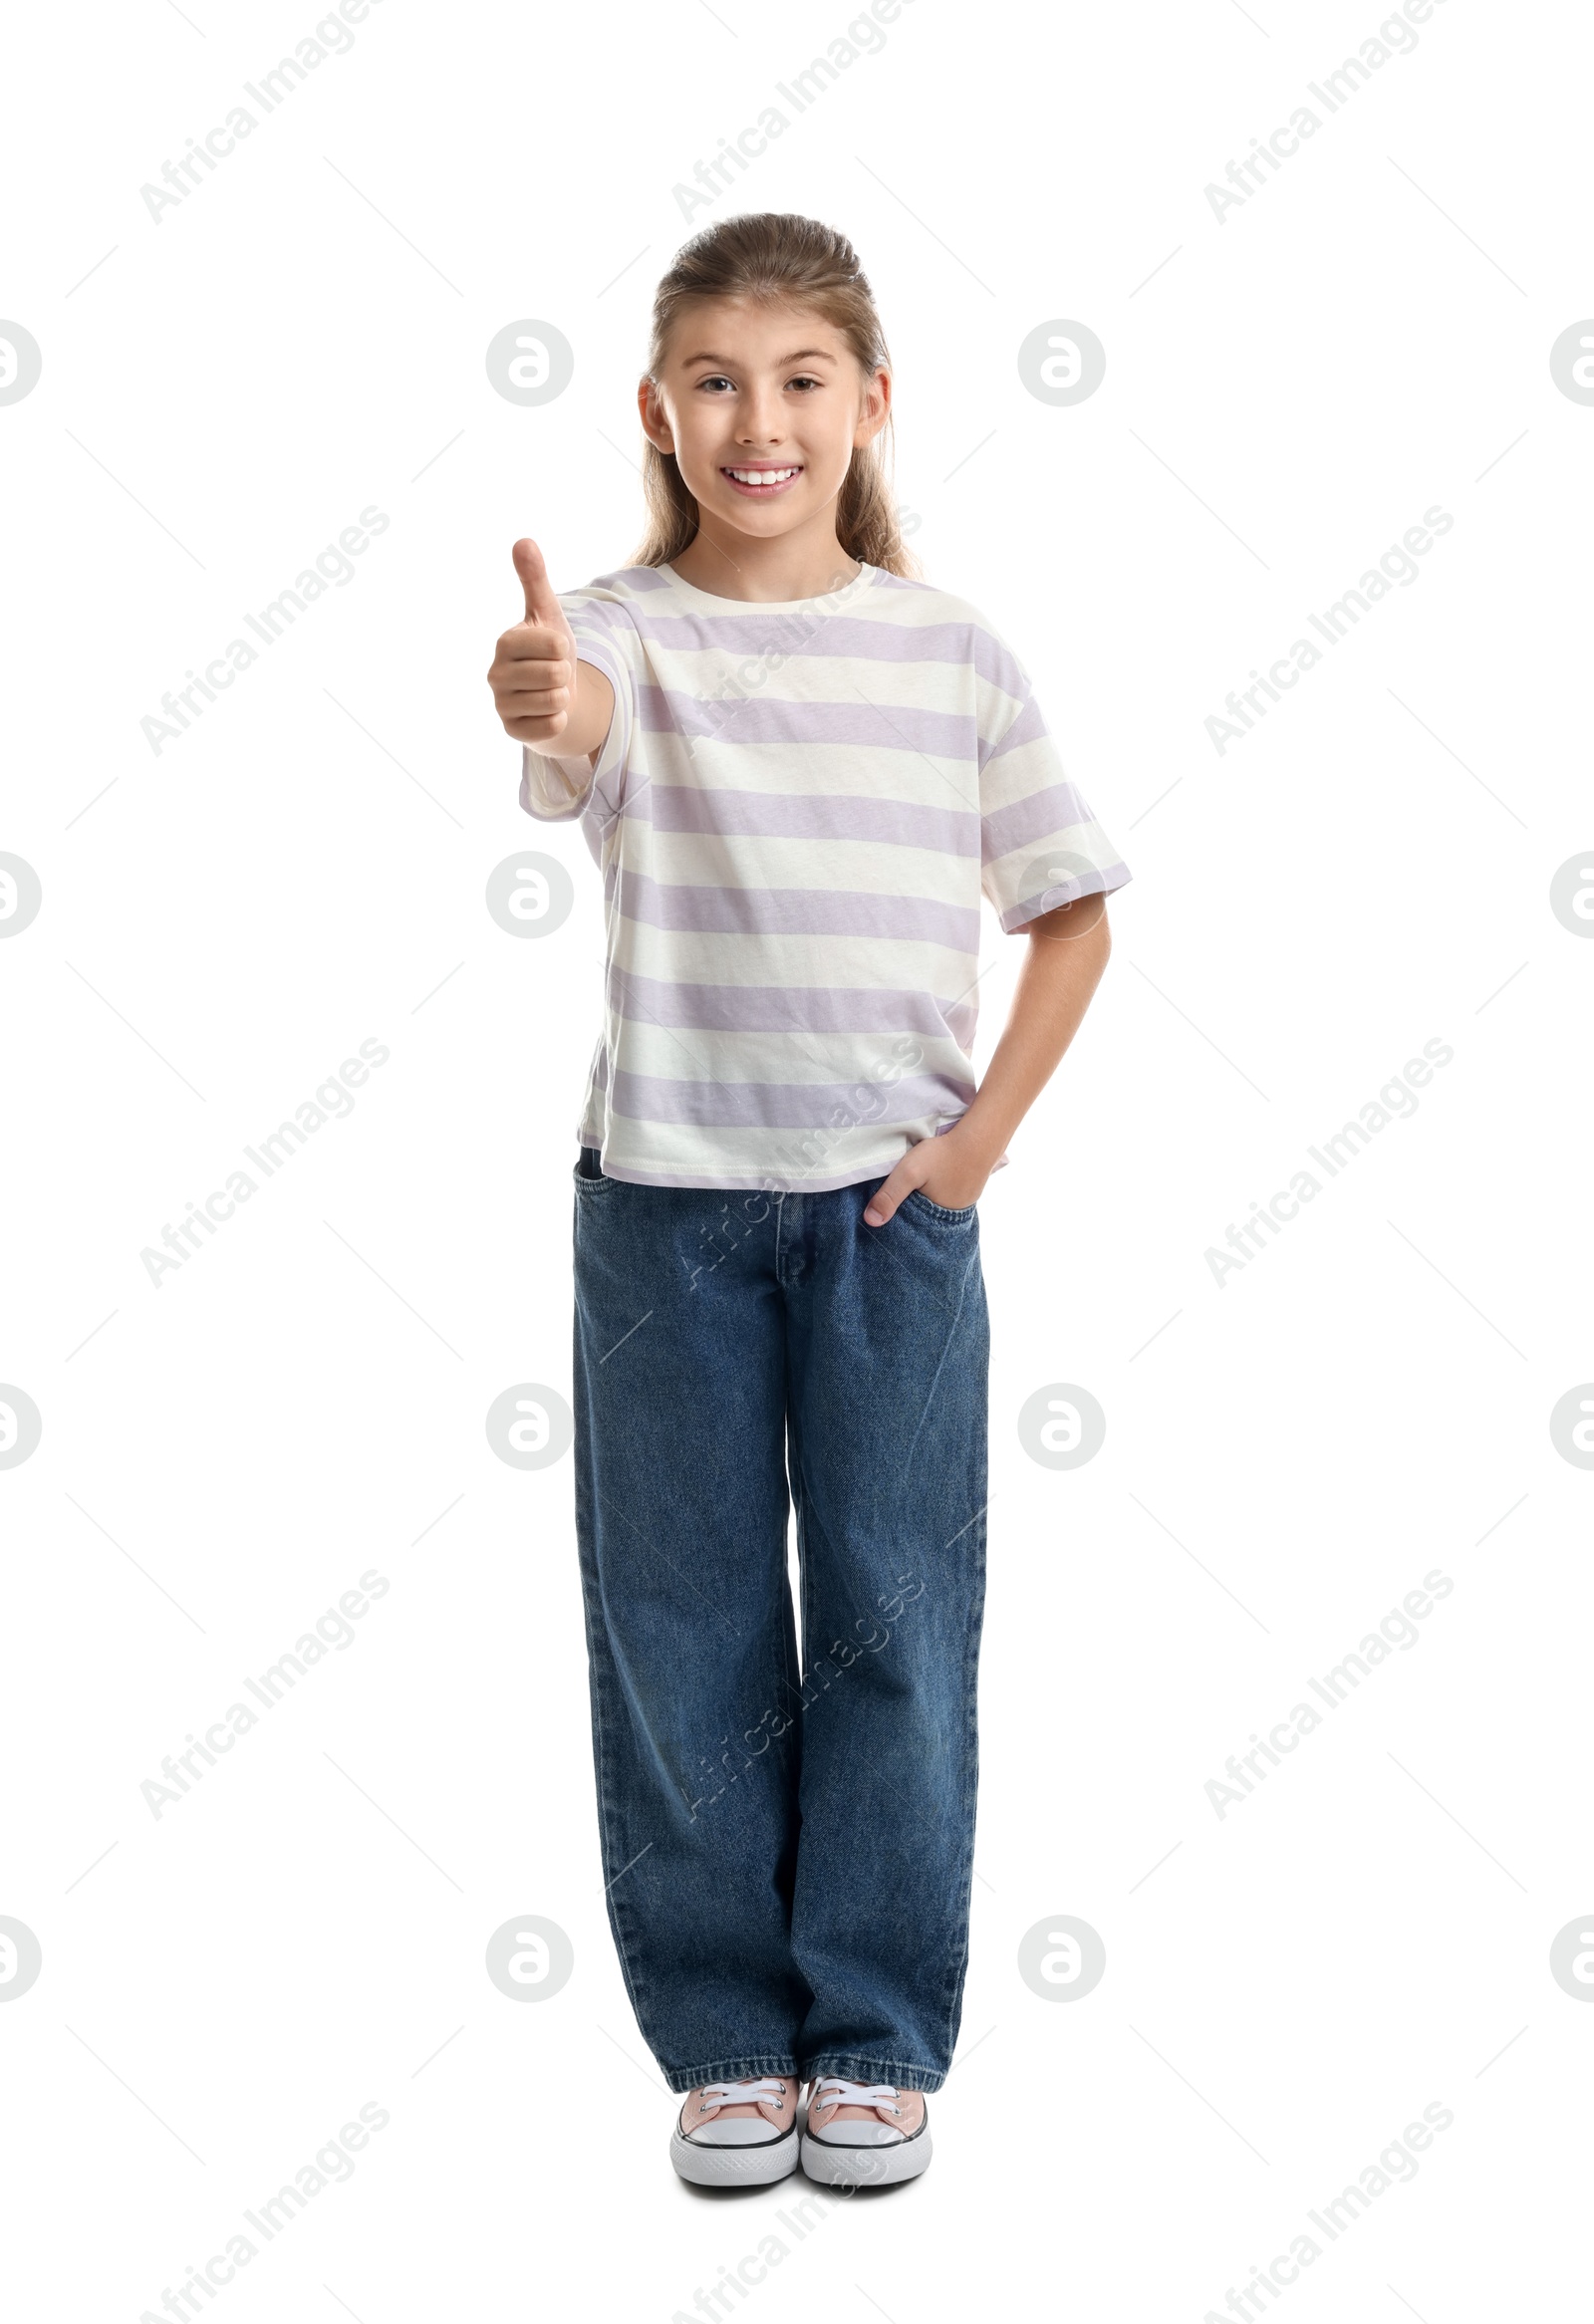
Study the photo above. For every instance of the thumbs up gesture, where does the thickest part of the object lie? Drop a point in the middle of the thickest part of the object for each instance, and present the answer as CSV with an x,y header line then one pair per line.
x,y
533,673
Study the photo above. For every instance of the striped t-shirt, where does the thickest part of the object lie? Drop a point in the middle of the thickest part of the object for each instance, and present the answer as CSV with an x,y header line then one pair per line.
x,y
796,812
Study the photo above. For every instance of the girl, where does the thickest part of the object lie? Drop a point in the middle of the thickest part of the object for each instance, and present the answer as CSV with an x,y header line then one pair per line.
x,y
798,767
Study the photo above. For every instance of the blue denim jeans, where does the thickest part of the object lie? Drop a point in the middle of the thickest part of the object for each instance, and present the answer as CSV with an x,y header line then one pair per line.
x,y
788,1847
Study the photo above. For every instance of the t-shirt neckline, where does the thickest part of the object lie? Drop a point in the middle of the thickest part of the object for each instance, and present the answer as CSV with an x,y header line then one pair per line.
x,y
865,578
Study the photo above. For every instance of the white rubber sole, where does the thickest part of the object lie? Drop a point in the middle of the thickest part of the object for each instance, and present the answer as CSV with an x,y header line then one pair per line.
x,y
758,2165
866,2165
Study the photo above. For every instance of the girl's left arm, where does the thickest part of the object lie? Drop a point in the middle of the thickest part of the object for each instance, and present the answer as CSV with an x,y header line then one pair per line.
x,y
1064,959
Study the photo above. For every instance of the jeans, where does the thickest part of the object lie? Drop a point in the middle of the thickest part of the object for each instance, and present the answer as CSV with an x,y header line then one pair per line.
x,y
788,1849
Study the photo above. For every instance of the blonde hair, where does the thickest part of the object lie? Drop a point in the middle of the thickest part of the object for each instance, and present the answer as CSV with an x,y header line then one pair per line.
x,y
777,257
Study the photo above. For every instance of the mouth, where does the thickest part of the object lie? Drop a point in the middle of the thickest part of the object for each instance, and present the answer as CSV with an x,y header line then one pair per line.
x,y
762,483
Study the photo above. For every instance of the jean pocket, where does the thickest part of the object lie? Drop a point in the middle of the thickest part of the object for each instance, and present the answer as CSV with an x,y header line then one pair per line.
x,y
939,1211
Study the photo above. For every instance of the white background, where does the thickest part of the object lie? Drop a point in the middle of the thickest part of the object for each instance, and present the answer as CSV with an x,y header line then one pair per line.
x,y
1286,1455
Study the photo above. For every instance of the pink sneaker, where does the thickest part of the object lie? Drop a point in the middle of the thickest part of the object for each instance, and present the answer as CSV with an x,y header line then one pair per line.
x,y
737,2134
865,2133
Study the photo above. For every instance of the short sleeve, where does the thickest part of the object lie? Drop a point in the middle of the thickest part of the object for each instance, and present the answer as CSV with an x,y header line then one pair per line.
x,y
556,789
1040,844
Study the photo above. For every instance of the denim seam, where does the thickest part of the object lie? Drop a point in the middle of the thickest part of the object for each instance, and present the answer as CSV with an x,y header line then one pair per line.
x,y
607,1806
609,1817
942,1359
957,1964
957,1959
971,1715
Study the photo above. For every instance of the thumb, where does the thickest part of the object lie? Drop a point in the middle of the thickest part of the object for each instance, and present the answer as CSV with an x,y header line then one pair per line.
x,y
541,603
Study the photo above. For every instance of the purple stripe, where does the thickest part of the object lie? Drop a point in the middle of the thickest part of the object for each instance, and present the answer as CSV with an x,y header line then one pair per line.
x,y
606,654
962,1017
589,612
827,816
1040,815
1028,726
748,718
767,1105
794,912
778,1008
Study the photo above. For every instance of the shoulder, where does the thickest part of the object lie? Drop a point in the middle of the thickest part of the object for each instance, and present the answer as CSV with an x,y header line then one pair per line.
x,y
920,600
628,585
614,605
927,605
964,631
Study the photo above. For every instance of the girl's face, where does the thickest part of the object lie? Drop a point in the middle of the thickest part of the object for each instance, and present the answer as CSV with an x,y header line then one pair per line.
x,y
762,406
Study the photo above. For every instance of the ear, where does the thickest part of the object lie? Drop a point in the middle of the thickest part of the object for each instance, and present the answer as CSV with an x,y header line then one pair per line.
x,y
655,427
876,404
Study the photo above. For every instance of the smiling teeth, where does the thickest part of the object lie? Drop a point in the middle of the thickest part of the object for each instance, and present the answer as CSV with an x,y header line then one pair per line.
x,y
762,475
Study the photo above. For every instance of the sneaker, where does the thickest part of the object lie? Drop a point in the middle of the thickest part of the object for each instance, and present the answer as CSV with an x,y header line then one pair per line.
x,y
865,2133
737,2134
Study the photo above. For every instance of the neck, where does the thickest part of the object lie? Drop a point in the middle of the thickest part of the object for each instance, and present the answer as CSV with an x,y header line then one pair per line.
x,y
799,564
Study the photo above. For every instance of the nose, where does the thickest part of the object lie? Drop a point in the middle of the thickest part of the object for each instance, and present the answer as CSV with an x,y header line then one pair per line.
x,y
758,421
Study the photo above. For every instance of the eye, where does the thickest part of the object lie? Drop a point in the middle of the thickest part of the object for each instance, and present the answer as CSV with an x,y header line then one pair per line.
x,y
805,379
714,379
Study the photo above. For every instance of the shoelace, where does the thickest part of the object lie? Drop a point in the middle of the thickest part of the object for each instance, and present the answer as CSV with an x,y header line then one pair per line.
x,y
832,2091
718,2094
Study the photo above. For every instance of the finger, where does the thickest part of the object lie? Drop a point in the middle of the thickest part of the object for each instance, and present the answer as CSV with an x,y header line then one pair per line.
x,y
887,1198
546,729
519,667
541,604
530,678
524,705
533,642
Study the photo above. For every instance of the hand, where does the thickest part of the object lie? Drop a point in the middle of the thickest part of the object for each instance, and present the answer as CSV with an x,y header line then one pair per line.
x,y
533,673
950,1169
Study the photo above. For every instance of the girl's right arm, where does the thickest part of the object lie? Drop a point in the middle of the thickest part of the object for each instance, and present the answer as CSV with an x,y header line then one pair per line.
x,y
554,704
